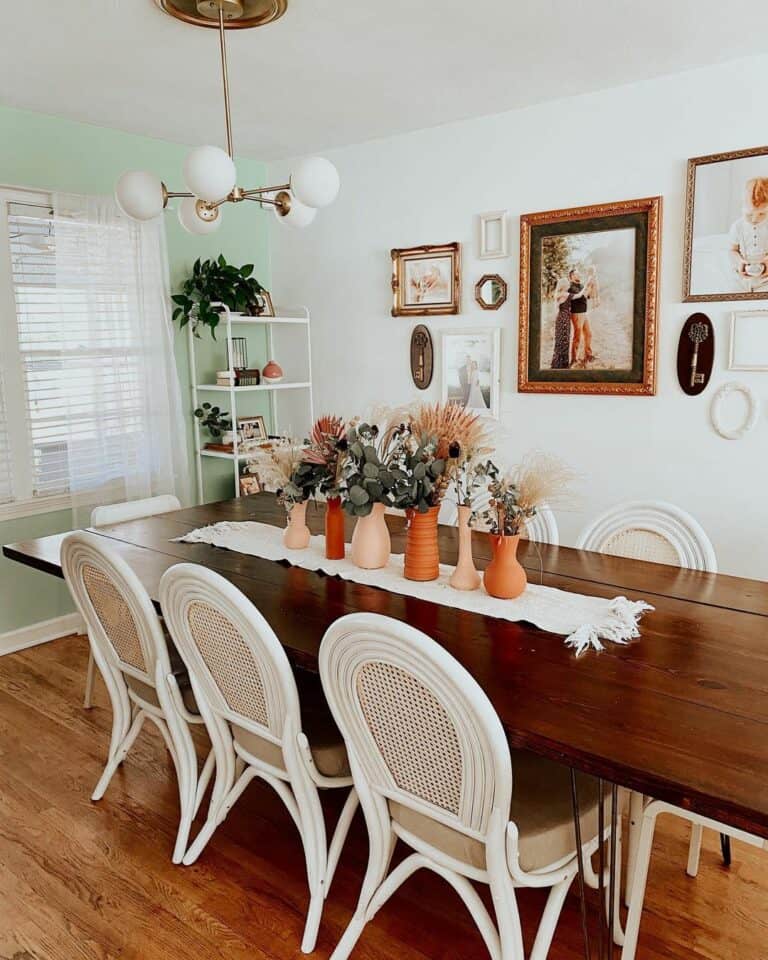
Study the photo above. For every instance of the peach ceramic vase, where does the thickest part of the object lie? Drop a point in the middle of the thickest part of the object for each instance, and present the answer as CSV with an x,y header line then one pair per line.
x,y
504,577
465,577
422,557
334,529
296,536
371,545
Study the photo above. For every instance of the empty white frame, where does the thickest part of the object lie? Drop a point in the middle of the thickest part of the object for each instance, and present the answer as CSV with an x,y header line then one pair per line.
x,y
749,340
492,235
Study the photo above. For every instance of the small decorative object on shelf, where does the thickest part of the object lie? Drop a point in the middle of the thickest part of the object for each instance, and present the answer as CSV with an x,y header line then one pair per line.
x,y
251,428
272,372
216,422
239,354
248,378
249,484
212,283
514,500
225,378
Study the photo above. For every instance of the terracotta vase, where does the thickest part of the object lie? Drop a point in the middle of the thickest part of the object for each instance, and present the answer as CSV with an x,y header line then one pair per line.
x,y
422,557
465,577
296,536
371,545
504,577
334,529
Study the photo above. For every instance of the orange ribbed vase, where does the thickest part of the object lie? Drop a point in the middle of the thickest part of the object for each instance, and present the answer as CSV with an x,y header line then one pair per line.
x,y
422,557
504,576
334,529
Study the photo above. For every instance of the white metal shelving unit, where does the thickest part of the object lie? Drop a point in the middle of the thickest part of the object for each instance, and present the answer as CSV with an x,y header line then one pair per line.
x,y
294,316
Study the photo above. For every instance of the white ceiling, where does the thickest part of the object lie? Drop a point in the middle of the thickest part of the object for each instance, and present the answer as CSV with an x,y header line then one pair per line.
x,y
333,72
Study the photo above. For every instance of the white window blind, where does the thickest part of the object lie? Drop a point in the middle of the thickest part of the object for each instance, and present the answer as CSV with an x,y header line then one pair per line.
x,y
77,350
6,471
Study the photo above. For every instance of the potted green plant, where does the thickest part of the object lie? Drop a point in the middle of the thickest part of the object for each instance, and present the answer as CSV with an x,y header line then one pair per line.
x,y
216,281
216,422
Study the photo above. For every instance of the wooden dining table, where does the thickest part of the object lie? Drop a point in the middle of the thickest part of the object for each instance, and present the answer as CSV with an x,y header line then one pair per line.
x,y
680,713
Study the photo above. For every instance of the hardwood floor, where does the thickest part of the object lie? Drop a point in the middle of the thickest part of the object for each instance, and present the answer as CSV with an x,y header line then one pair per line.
x,y
83,881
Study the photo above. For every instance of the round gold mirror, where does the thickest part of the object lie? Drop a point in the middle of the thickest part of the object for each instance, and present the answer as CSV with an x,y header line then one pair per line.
x,y
490,291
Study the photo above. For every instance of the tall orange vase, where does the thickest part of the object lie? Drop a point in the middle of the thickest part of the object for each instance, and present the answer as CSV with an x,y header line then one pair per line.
x,y
504,576
422,557
334,529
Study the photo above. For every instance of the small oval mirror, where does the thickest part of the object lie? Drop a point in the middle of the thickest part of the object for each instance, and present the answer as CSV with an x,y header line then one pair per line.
x,y
490,291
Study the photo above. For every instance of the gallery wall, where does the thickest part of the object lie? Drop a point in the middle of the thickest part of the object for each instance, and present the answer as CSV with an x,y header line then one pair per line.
x,y
429,186
49,153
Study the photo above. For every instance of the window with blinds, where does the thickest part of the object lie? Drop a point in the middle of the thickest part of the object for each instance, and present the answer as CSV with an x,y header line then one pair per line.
x,y
76,400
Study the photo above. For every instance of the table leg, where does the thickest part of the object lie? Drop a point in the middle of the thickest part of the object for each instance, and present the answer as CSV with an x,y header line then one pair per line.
x,y
580,858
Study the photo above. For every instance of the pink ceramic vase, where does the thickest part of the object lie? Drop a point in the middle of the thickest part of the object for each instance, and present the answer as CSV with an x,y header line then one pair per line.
x,y
272,372
296,536
465,577
371,544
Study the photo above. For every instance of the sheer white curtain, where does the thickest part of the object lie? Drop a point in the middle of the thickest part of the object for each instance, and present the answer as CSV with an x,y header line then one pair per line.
x,y
116,385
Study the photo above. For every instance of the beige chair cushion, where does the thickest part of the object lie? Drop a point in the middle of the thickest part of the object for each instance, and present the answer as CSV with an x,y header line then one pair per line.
x,y
148,693
325,740
541,809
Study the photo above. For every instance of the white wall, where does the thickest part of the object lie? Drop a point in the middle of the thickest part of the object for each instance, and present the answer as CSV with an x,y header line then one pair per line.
x,y
428,186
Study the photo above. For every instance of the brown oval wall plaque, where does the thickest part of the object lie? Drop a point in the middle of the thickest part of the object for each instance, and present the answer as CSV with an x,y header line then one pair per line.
x,y
695,354
422,356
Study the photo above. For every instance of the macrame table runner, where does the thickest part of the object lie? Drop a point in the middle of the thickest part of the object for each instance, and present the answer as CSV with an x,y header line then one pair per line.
x,y
585,621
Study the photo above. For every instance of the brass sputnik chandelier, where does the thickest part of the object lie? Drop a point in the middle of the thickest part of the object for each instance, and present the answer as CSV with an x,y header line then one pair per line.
x,y
209,171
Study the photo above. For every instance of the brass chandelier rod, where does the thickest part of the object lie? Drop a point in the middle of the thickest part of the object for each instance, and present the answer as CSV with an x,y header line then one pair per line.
x,y
225,79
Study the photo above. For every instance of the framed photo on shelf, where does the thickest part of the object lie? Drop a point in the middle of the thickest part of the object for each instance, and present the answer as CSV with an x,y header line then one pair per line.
x,y
264,304
251,429
726,227
588,298
426,280
249,484
471,369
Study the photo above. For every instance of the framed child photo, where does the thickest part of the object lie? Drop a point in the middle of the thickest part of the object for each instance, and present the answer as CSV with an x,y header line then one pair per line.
x,y
426,281
588,298
726,227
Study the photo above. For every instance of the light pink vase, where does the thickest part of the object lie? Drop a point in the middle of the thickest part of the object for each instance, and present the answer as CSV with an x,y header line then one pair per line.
x,y
296,536
371,544
465,577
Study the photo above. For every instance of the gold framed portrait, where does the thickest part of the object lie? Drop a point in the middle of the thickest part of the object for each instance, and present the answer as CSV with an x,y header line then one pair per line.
x,y
588,299
426,281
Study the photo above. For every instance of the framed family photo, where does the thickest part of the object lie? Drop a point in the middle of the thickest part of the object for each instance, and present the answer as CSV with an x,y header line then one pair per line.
x,y
426,280
726,227
471,369
588,299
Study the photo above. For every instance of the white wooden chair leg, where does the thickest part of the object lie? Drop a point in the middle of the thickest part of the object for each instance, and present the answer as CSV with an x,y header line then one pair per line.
x,y
508,919
205,778
694,850
640,880
549,919
119,755
340,835
89,678
636,804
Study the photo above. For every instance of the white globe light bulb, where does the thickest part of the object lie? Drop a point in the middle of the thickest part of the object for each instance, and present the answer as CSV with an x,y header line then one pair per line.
x,y
140,195
209,173
298,213
315,182
191,221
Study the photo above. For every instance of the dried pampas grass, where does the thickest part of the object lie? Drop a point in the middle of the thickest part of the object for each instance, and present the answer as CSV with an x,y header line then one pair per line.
x,y
542,478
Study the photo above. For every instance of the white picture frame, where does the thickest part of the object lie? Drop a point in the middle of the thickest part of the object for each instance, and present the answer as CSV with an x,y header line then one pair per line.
x,y
749,340
470,369
493,235
752,411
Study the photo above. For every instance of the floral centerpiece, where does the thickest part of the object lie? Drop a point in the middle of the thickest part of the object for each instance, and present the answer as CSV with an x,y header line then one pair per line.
x,y
515,498
281,464
327,452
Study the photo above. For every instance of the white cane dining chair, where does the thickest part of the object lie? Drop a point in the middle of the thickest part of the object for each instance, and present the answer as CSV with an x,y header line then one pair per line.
x,y
432,767
542,528
120,513
658,532
129,647
649,816
248,697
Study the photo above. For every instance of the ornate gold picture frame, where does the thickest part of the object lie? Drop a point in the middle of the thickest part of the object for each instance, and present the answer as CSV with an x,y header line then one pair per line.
x,y
426,281
726,227
589,281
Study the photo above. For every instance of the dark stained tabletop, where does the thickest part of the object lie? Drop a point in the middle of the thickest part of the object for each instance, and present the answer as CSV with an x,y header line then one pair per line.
x,y
680,714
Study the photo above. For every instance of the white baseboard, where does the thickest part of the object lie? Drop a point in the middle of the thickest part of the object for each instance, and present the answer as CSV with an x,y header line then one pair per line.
x,y
41,632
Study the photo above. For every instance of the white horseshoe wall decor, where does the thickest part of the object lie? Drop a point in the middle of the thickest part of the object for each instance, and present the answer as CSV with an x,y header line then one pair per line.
x,y
753,410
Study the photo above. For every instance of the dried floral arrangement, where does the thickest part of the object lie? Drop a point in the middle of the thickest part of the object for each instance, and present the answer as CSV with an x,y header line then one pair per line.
x,y
516,496
369,471
280,464
327,449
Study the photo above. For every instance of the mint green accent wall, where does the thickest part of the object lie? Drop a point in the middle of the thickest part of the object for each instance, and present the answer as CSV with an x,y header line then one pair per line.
x,y
51,153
